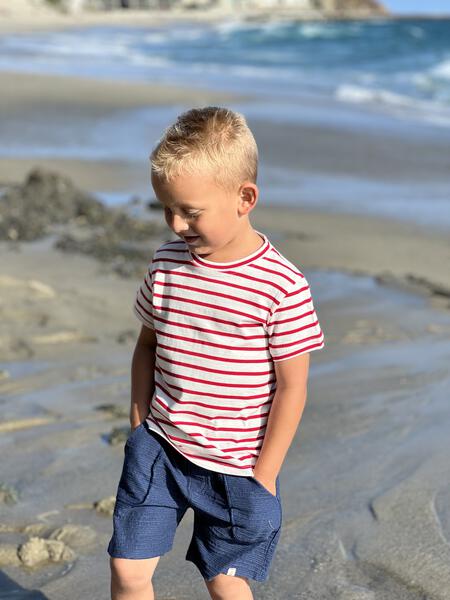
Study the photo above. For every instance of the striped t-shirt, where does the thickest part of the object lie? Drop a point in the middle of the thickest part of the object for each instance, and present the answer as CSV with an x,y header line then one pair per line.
x,y
219,328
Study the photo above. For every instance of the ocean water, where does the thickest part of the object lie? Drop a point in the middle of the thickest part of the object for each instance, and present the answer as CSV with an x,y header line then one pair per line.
x,y
401,65
384,76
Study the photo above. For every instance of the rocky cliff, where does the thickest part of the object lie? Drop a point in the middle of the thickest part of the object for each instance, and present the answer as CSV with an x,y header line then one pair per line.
x,y
343,7
300,9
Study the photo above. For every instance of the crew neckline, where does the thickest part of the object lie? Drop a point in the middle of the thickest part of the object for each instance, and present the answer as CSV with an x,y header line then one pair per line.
x,y
202,262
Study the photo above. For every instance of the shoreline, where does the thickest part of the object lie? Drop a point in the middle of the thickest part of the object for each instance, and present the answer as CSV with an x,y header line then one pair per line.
x,y
42,19
50,24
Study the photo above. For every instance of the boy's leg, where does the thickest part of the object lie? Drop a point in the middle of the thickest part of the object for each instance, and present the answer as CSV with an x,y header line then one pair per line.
x,y
227,587
132,579
149,506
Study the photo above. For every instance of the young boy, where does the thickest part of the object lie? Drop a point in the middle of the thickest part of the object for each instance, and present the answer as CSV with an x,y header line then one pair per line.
x,y
219,372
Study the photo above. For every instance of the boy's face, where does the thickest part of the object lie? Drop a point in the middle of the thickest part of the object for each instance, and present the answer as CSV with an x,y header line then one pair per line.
x,y
204,214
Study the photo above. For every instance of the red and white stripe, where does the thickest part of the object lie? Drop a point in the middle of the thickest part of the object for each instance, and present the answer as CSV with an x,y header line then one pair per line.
x,y
220,327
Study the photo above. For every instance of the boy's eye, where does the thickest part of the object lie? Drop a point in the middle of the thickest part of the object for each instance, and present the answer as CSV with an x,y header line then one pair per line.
x,y
188,215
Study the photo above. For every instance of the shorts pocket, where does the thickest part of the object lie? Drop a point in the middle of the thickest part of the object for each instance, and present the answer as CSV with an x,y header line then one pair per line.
x,y
142,453
259,484
134,432
255,512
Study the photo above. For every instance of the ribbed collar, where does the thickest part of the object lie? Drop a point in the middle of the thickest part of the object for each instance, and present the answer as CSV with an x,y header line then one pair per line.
x,y
261,251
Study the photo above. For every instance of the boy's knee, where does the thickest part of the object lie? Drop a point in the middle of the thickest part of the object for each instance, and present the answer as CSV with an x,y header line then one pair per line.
x,y
227,587
132,574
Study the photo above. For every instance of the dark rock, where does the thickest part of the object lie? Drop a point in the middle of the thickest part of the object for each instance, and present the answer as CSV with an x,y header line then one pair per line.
x,y
434,288
50,203
45,198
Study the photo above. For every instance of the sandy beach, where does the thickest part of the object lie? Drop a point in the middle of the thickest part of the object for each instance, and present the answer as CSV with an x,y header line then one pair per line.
x,y
24,16
365,486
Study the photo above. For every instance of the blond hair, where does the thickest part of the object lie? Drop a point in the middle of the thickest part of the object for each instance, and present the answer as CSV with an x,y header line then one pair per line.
x,y
212,139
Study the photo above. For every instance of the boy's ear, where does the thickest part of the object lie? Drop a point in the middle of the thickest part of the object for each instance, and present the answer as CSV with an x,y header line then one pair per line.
x,y
248,193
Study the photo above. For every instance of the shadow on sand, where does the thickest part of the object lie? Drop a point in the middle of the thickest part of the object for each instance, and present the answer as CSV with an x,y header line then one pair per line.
x,y
10,590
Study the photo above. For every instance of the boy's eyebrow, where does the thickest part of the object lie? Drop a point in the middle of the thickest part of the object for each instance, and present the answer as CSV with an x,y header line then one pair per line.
x,y
186,206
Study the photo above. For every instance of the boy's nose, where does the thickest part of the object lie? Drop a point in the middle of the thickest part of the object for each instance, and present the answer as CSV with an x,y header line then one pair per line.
x,y
179,224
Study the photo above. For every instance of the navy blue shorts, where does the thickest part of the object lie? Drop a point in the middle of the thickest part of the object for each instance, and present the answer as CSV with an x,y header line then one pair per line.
x,y
237,521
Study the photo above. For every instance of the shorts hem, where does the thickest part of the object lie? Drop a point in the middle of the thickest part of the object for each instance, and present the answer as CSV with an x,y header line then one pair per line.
x,y
241,572
138,555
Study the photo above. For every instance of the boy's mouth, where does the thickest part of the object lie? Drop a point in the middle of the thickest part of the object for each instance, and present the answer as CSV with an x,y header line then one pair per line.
x,y
191,238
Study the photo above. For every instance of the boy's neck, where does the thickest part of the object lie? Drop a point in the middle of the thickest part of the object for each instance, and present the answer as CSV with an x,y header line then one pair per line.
x,y
242,246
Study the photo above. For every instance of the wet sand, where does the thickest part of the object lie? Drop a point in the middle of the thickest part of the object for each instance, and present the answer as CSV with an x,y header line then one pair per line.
x,y
43,94
63,111
365,484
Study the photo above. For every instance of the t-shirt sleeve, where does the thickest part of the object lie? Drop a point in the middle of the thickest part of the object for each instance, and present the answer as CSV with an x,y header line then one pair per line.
x,y
143,304
293,327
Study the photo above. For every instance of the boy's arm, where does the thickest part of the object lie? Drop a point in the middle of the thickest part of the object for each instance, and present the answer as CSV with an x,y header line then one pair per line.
x,y
142,375
284,417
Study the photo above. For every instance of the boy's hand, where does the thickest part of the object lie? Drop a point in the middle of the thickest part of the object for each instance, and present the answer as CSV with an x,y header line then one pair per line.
x,y
268,482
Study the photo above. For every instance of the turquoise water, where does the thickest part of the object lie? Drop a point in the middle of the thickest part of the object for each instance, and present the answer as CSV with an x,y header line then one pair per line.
x,y
399,65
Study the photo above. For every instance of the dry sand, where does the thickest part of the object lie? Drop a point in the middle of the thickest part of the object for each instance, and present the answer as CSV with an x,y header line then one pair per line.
x,y
34,15
43,94
365,484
